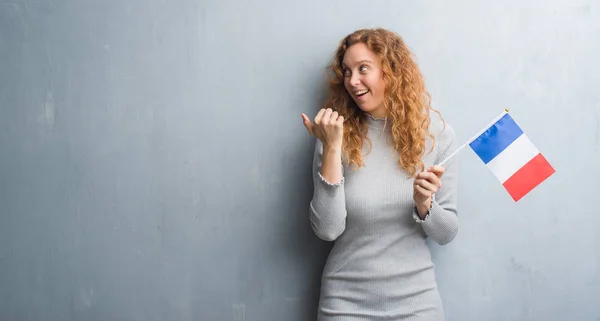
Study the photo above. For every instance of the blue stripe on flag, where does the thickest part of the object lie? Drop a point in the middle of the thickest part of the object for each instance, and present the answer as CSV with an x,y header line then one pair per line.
x,y
496,138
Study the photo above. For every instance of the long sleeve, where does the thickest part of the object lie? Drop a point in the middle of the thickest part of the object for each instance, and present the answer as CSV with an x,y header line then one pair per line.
x,y
441,224
328,205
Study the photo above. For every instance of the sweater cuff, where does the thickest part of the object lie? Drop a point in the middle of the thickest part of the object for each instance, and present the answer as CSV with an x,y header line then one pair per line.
x,y
328,183
417,218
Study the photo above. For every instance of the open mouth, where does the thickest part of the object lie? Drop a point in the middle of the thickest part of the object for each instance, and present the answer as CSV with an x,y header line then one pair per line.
x,y
361,93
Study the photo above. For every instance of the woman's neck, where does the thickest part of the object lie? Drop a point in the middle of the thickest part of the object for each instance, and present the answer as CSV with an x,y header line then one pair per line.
x,y
379,113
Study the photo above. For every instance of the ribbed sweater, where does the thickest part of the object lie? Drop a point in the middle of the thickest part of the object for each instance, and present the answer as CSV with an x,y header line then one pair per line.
x,y
380,267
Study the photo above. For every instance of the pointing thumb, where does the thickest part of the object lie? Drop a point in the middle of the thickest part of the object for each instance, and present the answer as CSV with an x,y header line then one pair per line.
x,y
307,124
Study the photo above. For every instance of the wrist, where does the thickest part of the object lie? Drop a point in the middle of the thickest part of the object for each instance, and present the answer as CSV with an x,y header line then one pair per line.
x,y
331,167
332,148
424,208
332,151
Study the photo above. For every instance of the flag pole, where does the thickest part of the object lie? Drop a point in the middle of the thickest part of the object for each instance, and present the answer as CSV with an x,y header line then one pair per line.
x,y
474,137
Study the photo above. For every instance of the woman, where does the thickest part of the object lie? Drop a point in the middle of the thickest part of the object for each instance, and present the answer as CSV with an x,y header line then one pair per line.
x,y
378,192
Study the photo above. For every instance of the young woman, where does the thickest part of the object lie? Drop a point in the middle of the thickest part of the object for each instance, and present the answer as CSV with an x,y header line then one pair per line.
x,y
378,191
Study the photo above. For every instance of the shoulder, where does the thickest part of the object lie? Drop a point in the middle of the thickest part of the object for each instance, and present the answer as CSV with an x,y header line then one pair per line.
x,y
442,130
445,140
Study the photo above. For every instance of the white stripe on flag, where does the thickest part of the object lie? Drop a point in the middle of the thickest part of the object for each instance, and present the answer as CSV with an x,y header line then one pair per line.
x,y
513,157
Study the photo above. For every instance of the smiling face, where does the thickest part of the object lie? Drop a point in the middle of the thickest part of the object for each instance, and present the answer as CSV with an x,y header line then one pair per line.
x,y
363,79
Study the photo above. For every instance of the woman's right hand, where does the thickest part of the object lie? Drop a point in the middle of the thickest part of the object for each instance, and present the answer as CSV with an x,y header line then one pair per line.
x,y
328,128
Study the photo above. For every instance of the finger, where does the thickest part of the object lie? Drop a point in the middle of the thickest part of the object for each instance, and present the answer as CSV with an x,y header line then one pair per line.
x,y
307,124
426,185
435,180
326,116
437,170
334,117
340,120
426,175
431,178
422,191
319,117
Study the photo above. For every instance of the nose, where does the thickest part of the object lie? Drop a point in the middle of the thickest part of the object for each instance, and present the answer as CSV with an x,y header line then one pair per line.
x,y
354,79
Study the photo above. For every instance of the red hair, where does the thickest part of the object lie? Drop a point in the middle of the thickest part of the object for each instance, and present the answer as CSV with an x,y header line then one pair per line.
x,y
407,102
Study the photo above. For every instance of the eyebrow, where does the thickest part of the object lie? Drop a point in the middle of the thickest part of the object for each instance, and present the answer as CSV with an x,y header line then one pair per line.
x,y
360,62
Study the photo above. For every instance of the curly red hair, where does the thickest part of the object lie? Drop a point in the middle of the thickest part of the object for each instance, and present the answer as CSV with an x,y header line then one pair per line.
x,y
407,102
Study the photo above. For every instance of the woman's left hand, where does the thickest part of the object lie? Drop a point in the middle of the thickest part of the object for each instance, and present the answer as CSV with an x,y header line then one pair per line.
x,y
424,186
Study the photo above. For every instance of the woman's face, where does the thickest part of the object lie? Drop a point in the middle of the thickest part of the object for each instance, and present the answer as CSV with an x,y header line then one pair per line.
x,y
363,79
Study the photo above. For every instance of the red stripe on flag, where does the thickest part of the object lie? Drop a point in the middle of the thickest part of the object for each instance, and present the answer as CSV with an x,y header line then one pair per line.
x,y
528,177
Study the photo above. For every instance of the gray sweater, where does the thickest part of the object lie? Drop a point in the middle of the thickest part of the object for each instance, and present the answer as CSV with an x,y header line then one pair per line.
x,y
380,267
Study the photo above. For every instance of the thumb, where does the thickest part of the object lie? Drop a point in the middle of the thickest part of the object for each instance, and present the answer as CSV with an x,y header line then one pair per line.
x,y
307,124
437,170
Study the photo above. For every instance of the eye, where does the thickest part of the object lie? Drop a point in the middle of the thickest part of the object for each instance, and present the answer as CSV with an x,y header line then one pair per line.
x,y
363,68
346,72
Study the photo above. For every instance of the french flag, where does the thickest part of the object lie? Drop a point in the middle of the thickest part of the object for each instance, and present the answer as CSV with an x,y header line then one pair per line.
x,y
511,156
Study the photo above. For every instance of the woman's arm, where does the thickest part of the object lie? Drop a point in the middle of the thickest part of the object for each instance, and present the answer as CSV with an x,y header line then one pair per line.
x,y
328,205
440,223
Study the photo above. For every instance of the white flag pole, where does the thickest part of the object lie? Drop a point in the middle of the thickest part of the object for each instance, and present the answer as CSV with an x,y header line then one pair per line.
x,y
474,137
